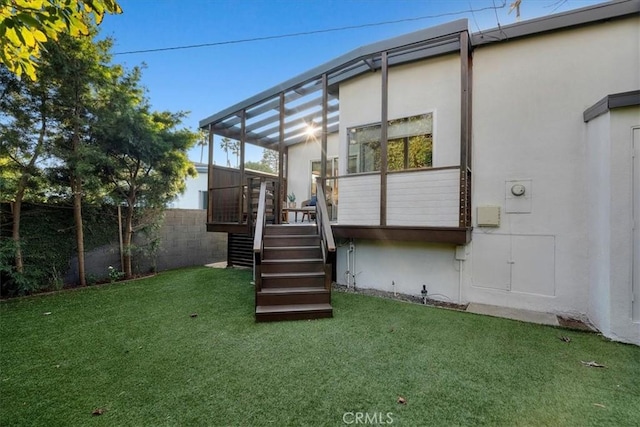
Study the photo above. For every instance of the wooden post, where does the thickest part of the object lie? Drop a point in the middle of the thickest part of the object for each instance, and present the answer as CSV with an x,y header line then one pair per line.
x,y
384,123
464,130
243,138
280,196
323,143
210,178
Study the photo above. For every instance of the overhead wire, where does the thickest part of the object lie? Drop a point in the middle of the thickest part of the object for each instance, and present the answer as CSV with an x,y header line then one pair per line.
x,y
307,33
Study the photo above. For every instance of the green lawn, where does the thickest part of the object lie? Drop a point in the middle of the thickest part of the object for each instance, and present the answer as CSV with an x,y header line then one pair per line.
x,y
134,350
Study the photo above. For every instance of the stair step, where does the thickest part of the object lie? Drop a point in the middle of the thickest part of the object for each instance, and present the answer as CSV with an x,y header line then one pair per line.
x,y
292,252
272,313
288,275
280,240
300,290
315,279
273,229
293,295
303,265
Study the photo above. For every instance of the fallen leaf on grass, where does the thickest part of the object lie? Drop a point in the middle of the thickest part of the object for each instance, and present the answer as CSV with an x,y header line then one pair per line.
x,y
599,405
564,339
592,364
98,411
194,314
47,313
402,400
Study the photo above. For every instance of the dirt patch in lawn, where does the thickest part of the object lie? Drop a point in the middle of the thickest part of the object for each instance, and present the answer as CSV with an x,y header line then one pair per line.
x,y
578,325
401,297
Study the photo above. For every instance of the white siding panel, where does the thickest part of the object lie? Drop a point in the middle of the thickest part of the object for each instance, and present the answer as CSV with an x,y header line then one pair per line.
x,y
427,198
359,200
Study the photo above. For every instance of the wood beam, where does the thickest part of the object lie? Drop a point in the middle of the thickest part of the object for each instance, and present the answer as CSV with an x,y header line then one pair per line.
x,y
465,116
323,140
281,147
384,124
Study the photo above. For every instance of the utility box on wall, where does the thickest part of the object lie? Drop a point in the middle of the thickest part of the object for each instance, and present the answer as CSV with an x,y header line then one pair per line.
x,y
518,196
488,216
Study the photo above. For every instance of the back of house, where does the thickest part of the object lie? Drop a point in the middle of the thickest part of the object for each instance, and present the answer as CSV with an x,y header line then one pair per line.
x,y
498,167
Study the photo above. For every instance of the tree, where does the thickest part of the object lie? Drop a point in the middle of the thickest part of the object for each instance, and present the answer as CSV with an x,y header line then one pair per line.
x,y
203,141
26,25
24,131
78,67
230,145
258,166
145,155
270,159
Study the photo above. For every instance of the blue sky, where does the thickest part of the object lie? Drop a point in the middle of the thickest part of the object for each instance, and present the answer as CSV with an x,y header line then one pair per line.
x,y
206,80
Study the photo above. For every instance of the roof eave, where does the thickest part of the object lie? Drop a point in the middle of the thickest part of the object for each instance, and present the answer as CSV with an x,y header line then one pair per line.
x,y
560,21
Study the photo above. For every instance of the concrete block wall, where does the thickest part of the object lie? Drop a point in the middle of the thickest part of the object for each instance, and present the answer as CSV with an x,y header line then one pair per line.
x,y
184,242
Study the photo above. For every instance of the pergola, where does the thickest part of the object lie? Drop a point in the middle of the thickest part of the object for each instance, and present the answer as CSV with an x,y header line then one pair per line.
x,y
308,104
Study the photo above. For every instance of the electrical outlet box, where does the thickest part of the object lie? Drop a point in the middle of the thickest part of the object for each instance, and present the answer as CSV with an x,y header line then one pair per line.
x,y
488,216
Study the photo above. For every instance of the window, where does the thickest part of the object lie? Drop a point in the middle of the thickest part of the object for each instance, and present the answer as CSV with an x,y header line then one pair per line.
x,y
204,199
331,185
410,145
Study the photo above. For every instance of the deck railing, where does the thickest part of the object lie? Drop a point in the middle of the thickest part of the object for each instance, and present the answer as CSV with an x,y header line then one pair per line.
x,y
261,222
326,236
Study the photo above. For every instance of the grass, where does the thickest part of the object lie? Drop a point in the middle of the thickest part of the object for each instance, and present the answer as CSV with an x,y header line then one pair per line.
x,y
134,350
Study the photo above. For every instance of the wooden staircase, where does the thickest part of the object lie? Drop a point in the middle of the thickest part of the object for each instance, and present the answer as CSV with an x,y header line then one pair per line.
x,y
294,281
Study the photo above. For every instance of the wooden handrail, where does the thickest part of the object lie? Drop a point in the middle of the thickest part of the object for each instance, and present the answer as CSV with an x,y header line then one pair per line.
x,y
260,223
323,222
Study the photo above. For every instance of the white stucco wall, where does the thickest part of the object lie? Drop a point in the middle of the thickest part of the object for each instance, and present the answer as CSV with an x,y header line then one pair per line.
x,y
431,86
599,219
528,100
402,268
299,164
191,197
565,246
622,327
610,214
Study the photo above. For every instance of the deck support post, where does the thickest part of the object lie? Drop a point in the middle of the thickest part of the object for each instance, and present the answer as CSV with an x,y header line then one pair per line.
x,y
243,138
210,178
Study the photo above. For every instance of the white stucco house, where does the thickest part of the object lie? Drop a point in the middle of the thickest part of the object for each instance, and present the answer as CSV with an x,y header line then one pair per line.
x,y
195,194
500,167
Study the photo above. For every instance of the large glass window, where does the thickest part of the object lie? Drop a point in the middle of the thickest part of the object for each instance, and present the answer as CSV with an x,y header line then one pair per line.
x,y
410,145
331,185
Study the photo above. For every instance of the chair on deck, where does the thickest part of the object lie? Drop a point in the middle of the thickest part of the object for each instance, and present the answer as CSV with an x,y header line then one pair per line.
x,y
311,214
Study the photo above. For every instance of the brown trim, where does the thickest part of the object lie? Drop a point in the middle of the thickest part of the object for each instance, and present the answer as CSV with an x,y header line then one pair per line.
x,y
356,175
451,235
423,170
616,100
602,12
384,128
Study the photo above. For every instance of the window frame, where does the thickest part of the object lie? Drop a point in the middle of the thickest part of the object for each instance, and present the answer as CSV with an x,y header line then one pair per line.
x,y
350,129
